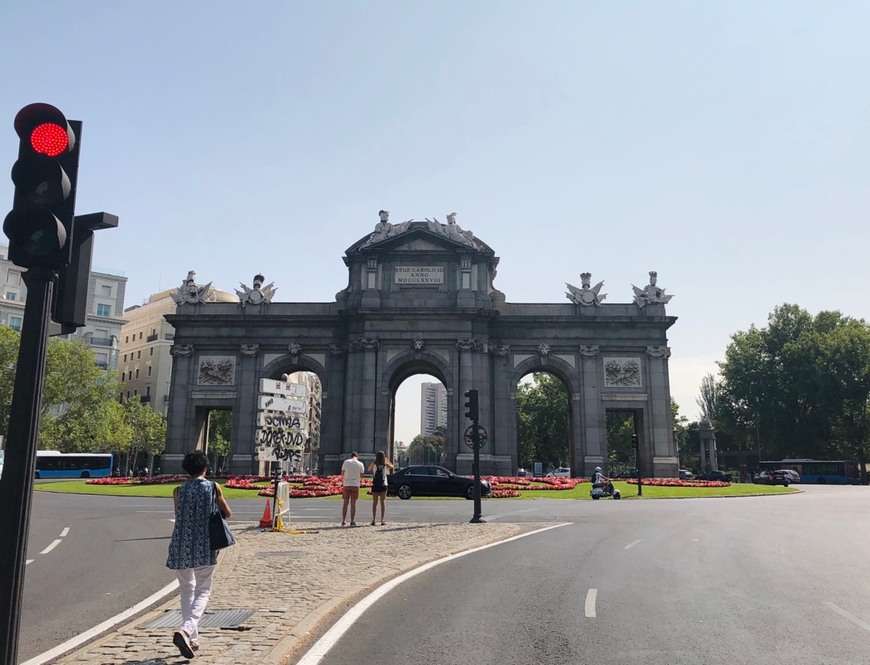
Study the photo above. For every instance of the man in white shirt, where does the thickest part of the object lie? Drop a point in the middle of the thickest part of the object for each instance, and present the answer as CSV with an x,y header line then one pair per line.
x,y
351,475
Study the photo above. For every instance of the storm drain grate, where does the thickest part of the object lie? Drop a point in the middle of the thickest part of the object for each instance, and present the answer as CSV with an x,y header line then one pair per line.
x,y
229,619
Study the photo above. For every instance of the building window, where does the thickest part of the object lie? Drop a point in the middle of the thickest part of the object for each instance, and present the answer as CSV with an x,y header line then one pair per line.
x,y
15,323
125,357
106,291
151,351
138,355
127,339
136,393
13,278
129,375
140,335
149,370
148,391
137,372
10,295
128,394
104,310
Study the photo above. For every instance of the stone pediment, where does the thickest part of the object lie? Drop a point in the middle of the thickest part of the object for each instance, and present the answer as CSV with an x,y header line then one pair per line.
x,y
413,236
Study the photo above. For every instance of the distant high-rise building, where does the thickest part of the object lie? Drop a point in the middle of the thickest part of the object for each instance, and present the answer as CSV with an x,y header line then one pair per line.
x,y
433,407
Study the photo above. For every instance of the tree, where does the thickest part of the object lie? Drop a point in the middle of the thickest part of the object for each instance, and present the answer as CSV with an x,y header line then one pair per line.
x,y
147,429
708,398
542,421
426,449
80,409
800,385
220,423
9,342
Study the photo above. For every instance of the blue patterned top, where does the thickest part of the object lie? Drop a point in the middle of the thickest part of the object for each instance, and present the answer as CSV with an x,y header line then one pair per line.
x,y
190,546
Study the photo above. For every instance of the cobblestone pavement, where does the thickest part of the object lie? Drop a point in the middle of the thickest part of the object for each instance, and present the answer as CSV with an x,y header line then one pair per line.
x,y
294,581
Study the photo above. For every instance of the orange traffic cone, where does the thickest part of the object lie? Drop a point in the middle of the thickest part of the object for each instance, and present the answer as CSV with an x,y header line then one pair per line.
x,y
266,522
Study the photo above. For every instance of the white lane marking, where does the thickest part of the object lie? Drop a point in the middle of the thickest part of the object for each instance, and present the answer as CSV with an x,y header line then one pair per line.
x,y
591,595
320,648
64,532
847,615
630,545
51,547
29,561
78,640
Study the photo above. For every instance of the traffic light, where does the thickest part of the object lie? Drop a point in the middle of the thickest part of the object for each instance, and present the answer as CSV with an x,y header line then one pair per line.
x,y
40,225
634,441
471,405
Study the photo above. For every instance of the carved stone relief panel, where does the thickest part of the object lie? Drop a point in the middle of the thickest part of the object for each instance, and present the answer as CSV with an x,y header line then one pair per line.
x,y
216,371
622,373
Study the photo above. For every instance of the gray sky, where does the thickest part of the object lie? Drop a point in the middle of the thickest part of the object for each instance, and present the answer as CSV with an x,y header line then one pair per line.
x,y
725,145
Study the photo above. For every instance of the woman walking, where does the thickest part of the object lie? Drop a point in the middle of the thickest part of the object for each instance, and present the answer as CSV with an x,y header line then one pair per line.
x,y
379,485
190,553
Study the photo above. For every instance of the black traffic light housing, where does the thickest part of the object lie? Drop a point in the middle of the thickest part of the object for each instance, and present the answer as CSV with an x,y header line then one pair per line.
x,y
40,224
472,411
634,441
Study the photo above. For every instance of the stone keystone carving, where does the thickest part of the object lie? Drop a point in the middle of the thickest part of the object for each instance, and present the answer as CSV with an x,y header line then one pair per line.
x,y
589,351
364,344
417,344
190,292
337,349
500,350
588,297
249,350
544,350
651,293
258,294
181,350
294,348
658,351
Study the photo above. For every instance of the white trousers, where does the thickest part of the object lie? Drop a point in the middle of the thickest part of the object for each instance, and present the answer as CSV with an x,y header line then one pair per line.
x,y
195,586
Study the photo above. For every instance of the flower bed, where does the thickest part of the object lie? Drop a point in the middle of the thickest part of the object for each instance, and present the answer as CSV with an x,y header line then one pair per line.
x,y
676,482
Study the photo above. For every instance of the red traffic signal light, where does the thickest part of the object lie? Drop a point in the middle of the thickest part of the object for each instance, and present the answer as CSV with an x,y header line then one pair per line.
x,y
40,225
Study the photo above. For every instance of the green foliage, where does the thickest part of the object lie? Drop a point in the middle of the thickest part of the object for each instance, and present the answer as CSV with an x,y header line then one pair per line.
x,y
147,428
220,424
427,449
9,341
542,421
620,427
800,385
80,411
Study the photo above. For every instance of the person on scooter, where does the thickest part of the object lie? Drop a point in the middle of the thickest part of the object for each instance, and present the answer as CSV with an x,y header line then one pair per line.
x,y
598,478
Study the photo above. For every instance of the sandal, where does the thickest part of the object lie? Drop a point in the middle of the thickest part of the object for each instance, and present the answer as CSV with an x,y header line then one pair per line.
x,y
194,646
382,523
180,640
373,522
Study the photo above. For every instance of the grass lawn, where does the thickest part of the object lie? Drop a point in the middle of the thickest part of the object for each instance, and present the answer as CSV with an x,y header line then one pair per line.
x,y
581,491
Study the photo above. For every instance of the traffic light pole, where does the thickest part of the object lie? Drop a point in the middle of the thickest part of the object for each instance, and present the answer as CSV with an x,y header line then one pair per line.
x,y
16,484
475,467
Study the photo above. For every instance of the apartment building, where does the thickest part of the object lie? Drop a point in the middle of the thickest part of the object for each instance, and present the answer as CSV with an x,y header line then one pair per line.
x,y
433,407
145,364
105,307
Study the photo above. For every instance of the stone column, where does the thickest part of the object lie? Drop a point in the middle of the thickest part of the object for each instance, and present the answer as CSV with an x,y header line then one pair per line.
x,y
709,458
591,428
244,424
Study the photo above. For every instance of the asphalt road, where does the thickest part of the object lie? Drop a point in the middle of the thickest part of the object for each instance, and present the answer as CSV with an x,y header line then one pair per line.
x,y
745,580
681,579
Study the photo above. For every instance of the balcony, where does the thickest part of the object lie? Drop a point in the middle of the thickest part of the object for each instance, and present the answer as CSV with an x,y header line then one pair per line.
x,y
152,338
101,341
145,399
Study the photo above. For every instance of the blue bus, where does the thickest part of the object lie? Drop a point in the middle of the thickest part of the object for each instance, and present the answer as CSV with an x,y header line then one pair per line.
x,y
52,464
820,472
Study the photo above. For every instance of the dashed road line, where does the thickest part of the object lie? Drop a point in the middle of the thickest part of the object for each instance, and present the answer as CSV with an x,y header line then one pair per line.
x,y
591,596
51,547
630,545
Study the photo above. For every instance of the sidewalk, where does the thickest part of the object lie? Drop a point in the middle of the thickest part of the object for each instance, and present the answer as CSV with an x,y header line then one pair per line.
x,y
293,581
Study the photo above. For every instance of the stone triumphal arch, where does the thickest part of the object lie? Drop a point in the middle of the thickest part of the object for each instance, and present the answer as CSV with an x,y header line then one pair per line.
x,y
420,298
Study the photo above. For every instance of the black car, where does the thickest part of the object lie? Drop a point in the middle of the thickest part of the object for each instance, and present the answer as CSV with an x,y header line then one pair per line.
x,y
714,475
772,478
430,480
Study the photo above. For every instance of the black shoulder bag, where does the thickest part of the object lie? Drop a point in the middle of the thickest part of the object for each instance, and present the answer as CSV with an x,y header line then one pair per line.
x,y
219,533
